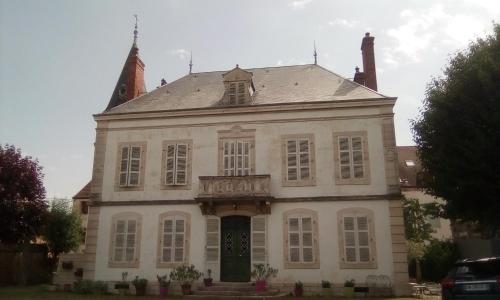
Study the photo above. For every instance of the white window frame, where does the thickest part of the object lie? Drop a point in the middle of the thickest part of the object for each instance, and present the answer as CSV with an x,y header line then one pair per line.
x,y
125,218
231,159
129,161
300,214
311,161
362,155
350,151
173,216
175,165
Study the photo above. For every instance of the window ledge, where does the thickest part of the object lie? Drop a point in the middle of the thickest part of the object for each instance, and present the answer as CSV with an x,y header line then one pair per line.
x,y
358,265
291,265
132,264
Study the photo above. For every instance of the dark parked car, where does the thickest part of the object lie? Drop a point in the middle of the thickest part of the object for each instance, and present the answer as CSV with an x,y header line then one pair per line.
x,y
473,279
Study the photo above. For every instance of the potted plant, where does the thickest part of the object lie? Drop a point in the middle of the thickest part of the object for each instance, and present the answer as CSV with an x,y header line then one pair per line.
x,y
326,288
164,285
185,275
298,291
123,286
349,288
261,273
208,281
140,285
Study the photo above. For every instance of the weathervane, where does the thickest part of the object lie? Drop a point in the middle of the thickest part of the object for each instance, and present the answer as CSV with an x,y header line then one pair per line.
x,y
135,30
191,63
315,54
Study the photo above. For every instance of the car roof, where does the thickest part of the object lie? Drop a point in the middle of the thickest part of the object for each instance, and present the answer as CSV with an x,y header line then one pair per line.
x,y
477,260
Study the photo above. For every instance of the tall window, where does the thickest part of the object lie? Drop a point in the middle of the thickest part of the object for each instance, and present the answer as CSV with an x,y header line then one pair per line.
x,y
236,156
176,170
351,157
301,235
124,250
298,159
130,165
173,238
357,237
237,93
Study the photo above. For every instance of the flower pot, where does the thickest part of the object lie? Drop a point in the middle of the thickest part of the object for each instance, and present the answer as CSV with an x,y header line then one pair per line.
x,y
327,292
186,289
163,291
298,292
260,285
207,281
140,290
348,291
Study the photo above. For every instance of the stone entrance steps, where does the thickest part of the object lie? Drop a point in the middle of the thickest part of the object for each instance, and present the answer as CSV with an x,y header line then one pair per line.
x,y
234,290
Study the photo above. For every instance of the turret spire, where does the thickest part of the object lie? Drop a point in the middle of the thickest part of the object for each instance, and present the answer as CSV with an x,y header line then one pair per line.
x,y
315,54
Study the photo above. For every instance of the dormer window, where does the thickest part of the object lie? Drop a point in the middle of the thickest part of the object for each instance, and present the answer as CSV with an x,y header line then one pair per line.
x,y
239,87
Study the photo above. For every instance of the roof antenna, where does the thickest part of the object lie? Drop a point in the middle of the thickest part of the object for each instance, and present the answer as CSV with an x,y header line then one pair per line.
x,y
135,30
315,54
191,63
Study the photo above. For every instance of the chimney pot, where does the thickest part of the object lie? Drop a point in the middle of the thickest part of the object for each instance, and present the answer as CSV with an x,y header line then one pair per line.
x,y
367,34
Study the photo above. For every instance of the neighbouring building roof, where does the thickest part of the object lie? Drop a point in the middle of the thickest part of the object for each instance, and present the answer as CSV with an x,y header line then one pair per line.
x,y
409,166
84,193
273,85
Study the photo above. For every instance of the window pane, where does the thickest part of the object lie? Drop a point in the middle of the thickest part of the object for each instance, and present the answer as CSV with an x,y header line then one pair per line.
x,y
167,254
307,239
179,254
350,254
345,172
293,224
120,226
304,160
306,224
123,179
348,223
119,240
179,240
308,254
131,226
182,150
291,146
125,153
358,171
134,178
170,150
363,238
292,160
118,254
134,165
131,240
179,225
349,238
356,143
364,254
294,239
304,173
362,223
123,165
357,157
304,146
167,240
343,143
168,226
344,158
129,254
292,174
294,255
136,152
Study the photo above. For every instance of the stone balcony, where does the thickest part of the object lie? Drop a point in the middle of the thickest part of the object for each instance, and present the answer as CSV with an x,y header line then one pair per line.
x,y
234,192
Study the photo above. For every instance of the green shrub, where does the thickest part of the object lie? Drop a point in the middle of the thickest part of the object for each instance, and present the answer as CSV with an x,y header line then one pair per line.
x,y
438,258
87,287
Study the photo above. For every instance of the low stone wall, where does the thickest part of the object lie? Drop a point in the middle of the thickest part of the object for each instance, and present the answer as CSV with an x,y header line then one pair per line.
x,y
65,278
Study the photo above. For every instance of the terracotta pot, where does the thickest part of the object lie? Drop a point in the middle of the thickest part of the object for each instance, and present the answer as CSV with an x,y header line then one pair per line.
x,y
298,292
186,289
163,291
207,281
260,285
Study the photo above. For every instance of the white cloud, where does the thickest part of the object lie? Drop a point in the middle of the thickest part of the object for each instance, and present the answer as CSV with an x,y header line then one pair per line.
x,y
299,4
431,29
343,23
181,53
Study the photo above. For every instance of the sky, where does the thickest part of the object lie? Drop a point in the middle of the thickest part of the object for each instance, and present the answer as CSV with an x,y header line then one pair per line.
x,y
60,60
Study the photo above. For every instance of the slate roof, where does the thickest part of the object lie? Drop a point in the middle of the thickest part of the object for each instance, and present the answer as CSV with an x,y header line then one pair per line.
x,y
84,193
273,85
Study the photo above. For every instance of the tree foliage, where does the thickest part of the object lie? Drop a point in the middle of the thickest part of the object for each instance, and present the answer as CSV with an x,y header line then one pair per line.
x,y
417,229
62,230
458,134
438,258
22,205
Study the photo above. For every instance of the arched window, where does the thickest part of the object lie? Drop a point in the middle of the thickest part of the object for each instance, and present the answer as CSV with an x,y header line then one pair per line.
x,y
125,243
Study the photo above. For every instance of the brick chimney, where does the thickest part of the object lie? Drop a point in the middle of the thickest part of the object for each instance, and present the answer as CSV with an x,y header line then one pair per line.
x,y
368,54
359,77
131,81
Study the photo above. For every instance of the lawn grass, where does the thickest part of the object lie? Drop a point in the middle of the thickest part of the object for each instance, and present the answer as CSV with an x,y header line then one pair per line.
x,y
41,292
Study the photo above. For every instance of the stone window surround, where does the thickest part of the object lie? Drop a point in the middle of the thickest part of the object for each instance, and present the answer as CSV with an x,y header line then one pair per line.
x,y
140,187
301,265
371,238
137,250
336,158
187,186
236,132
312,161
187,238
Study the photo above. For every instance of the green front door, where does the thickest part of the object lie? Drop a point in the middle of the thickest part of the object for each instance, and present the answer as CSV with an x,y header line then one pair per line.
x,y
235,248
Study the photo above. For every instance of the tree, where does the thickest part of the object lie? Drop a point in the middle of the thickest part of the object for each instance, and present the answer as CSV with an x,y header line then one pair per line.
x,y
417,231
458,135
22,208
62,230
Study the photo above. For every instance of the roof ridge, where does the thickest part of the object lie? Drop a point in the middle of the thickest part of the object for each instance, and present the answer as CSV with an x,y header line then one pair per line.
x,y
257,68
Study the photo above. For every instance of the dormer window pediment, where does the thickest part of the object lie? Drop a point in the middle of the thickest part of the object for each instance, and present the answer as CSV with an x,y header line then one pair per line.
x,y
239,87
